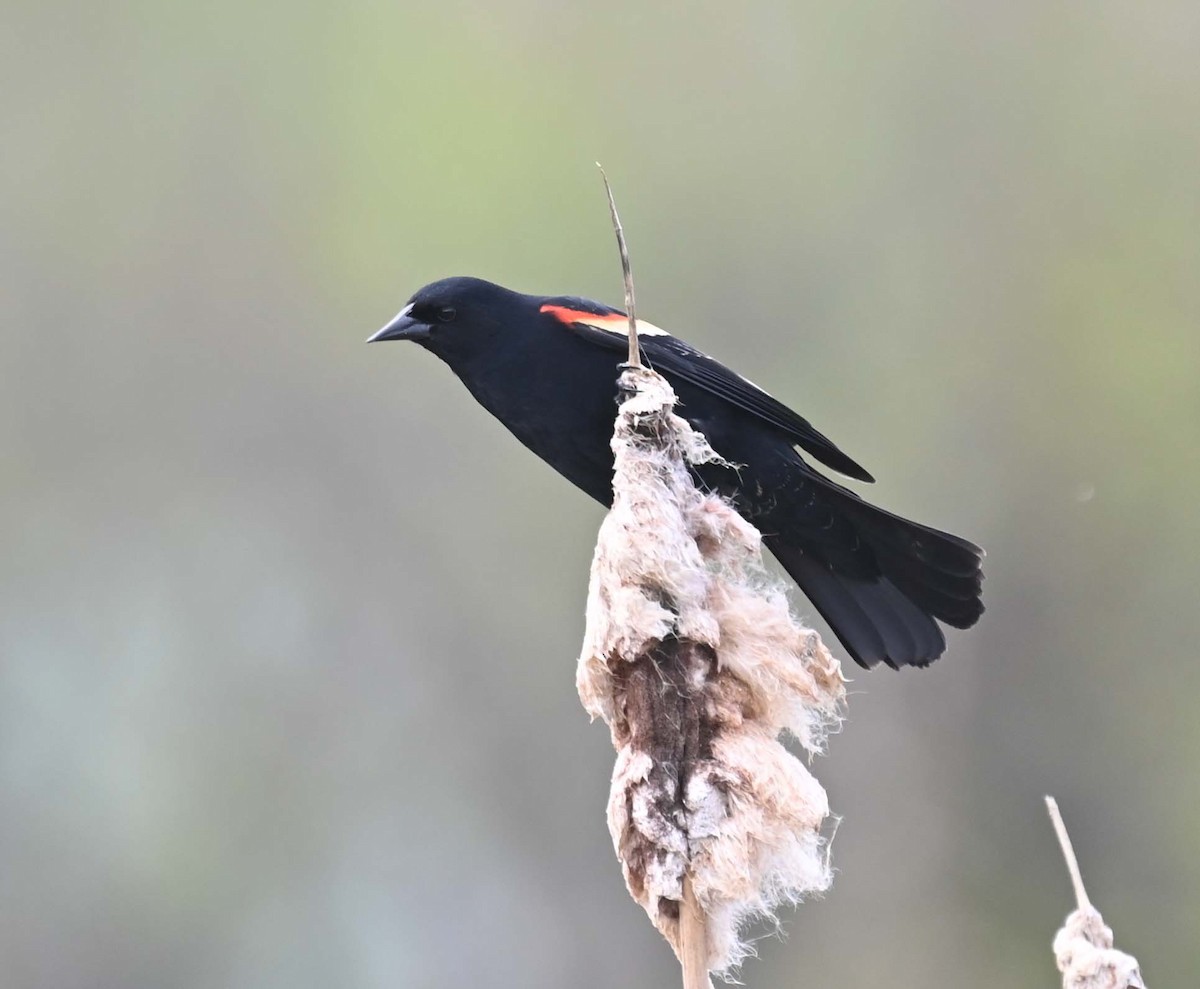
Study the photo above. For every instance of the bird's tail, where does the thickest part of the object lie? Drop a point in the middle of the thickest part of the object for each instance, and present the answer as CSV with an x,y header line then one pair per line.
x,y
883,591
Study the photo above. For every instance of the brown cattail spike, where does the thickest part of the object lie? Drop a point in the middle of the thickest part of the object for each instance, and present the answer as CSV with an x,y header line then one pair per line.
x,y
692,658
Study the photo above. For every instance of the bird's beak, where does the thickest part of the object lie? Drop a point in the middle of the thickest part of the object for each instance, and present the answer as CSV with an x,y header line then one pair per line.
x,y
403,327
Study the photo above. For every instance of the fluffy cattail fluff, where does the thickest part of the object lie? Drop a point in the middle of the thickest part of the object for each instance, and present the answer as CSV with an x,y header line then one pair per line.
x,y
1084,948
1086,956
692,658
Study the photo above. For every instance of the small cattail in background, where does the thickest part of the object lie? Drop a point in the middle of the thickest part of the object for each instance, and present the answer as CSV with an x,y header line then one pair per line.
x,y
1084,948
692,658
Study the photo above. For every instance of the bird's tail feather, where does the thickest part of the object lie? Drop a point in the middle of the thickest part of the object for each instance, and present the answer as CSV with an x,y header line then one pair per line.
x,y
881,591
872,618
939,572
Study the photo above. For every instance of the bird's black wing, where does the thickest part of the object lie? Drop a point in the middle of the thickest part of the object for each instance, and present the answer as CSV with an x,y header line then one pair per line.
x,y
673,357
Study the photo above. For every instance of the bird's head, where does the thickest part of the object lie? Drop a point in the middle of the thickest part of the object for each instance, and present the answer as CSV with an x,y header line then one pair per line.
x,y
455,317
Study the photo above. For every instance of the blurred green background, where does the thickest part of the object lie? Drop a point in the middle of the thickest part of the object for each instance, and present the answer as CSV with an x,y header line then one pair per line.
x,y
289,624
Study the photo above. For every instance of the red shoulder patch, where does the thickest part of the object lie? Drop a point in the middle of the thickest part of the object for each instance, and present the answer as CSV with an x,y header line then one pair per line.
x,y
566,315
611,322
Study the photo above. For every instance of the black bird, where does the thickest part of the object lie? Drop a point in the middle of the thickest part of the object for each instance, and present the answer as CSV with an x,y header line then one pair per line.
x,y
547,366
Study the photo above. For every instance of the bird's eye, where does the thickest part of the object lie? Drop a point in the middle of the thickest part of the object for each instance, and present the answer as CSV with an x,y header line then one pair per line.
x,y
446,314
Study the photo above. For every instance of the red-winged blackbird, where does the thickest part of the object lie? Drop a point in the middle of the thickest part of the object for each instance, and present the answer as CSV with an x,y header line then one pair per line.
x,y
547,366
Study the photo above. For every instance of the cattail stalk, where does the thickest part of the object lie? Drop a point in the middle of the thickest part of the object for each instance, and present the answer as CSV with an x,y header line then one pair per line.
x,y
635,354
1083,948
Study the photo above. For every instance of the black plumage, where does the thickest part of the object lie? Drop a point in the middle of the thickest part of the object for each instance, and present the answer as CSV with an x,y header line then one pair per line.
x,y
546,367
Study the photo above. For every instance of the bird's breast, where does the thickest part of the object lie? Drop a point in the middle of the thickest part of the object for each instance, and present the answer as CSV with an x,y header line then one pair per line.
x,y
561,406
